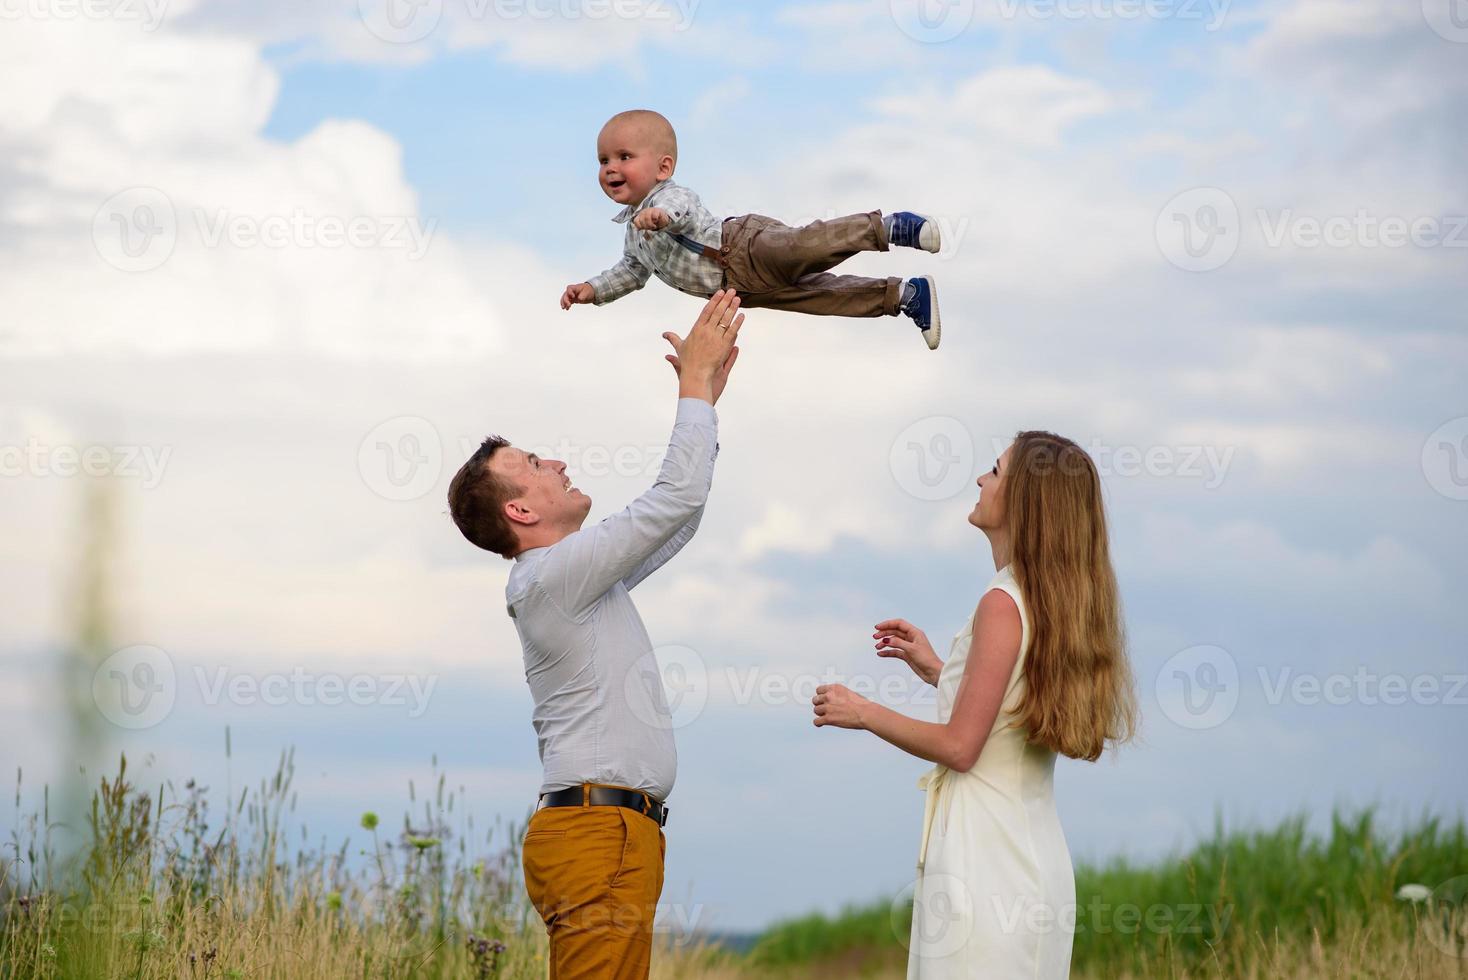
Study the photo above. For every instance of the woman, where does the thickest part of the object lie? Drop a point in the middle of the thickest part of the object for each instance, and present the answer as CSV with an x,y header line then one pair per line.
x,y
1040,670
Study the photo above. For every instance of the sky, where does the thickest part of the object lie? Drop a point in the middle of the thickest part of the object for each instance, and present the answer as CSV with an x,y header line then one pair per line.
x,y
273,270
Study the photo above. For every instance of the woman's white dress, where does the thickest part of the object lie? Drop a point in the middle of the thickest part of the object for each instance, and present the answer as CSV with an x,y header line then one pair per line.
x,y
995,891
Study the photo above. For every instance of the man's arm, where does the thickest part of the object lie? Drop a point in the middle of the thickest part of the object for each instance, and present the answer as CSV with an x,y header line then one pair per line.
x,y
674,545
580,568
627,276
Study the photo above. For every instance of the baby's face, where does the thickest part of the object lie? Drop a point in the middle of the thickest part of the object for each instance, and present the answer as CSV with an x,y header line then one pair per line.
x,y
630,164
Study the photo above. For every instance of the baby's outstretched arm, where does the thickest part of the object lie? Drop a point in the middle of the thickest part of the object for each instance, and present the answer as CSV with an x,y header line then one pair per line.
x,y
618,280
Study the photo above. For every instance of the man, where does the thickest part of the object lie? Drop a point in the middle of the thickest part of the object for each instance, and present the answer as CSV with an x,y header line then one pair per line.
x,y
593,853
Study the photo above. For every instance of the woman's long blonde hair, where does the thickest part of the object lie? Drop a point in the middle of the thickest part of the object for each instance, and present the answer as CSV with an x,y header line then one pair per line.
x,y
1079,692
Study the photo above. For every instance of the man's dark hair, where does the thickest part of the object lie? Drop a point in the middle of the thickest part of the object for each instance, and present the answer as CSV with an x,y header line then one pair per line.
x,y
477,497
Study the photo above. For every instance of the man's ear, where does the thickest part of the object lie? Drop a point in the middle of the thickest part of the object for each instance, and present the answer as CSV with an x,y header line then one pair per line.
x,y
518,513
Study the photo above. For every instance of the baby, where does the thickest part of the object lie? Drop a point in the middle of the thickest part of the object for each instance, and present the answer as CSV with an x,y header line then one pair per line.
x,y
769,264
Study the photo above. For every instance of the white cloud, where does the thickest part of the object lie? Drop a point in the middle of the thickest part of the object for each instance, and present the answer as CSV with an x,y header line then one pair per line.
x,y
1022,106
150,213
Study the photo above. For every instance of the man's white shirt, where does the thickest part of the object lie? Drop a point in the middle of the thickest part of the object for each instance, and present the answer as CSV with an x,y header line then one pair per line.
x,y
600,713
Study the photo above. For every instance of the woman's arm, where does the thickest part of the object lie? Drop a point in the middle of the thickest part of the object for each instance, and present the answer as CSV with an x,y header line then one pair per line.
x,y
956,744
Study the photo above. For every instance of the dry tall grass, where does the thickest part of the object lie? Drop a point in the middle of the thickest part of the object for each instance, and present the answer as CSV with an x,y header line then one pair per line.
x,y
158,891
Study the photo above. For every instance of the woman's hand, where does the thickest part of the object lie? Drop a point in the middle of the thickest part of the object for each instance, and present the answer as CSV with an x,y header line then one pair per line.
x,y
837,704
899,638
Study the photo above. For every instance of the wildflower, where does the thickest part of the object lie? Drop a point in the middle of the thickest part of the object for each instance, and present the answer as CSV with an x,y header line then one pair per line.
x,y
334,900
369,820
151,939
1414,893
423,843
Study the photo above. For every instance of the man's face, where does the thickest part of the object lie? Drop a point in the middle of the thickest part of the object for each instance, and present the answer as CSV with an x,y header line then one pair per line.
x,y
630,165
546,492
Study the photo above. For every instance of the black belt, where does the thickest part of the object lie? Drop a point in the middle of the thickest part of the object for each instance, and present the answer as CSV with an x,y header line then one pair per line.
x,y
589,794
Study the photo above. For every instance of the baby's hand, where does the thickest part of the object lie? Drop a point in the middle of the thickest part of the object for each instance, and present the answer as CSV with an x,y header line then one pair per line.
x,y
579,292
651,219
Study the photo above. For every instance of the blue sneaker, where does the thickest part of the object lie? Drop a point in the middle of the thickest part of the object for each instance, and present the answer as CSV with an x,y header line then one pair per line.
x,y
923,308
913,231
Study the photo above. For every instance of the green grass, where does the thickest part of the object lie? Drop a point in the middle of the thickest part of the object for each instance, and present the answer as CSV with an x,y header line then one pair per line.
x,y
1210,905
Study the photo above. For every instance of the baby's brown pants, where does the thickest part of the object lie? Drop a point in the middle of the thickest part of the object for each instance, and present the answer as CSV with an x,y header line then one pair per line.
x,y
774,266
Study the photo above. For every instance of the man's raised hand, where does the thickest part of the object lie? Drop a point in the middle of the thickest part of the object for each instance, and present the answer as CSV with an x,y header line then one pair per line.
x,y
705,357
720,379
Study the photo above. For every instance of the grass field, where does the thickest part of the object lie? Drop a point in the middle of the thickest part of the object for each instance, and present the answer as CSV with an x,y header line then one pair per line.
x,y
161,889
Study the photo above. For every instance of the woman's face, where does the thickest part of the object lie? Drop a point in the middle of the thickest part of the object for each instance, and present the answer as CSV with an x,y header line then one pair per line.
x,y
988,513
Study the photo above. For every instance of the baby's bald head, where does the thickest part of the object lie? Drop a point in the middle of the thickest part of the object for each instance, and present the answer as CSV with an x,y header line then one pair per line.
x,y
642,128
636,150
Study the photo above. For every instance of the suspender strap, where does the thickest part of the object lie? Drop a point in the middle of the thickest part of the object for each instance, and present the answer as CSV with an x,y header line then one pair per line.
x,y
698,248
